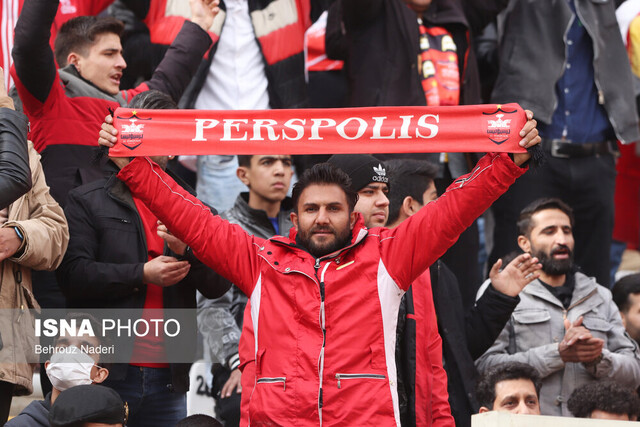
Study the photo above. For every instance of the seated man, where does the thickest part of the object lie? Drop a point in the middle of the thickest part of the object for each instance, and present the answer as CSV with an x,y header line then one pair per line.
x,y
626,295
566,325
88,406
66,370
605,401
510,387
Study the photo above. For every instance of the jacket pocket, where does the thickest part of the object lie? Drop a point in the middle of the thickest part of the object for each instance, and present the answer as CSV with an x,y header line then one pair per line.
x,y
273,380
116,223
598,326
348,377
531,316
532,327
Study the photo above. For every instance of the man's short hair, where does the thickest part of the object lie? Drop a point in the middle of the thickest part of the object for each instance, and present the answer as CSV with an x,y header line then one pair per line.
x,y
198,420
525,224
153,100
411,178
244,160
604,396
486,388
79,34
324,174
623,288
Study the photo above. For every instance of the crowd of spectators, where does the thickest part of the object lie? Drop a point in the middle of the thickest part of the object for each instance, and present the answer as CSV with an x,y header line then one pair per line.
x,y
366,310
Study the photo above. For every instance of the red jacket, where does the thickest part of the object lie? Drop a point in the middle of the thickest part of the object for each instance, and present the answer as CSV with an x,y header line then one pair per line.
x,y
66,111
431,395
324,328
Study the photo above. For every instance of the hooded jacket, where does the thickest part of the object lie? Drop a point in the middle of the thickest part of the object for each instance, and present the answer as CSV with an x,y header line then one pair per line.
x,y
66,111
36,414
324,328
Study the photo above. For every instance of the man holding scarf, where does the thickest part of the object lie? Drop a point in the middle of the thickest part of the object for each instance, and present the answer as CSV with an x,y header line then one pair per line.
x,y
325,300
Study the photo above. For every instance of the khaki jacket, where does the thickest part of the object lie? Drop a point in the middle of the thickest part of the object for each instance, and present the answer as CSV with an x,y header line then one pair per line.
x,y
42,223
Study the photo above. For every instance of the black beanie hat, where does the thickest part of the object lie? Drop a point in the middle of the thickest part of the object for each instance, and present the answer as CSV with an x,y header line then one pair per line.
x,y
363,169
87,403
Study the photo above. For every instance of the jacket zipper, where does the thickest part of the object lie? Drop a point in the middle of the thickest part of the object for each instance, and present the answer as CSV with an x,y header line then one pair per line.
x,y
273,380
324,331
358,376
580,301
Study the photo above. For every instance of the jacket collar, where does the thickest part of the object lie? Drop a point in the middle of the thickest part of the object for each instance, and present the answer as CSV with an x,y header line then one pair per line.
x,y
76,85
241,208
584,287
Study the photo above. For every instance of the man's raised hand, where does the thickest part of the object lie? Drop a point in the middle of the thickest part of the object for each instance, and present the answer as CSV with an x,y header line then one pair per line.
x,y
516,275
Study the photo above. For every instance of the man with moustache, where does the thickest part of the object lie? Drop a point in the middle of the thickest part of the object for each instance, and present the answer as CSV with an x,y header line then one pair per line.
x,y
566,326
324,301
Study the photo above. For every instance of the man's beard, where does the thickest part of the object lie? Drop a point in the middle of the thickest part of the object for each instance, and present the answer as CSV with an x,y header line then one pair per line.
x,y
342,239
553,266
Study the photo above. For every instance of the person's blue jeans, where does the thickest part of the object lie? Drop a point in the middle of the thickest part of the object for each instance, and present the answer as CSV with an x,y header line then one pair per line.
x,y
218,185
148,394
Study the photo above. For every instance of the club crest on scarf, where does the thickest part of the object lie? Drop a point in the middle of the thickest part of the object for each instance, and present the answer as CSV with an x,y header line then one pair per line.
x,y
498,128
132,133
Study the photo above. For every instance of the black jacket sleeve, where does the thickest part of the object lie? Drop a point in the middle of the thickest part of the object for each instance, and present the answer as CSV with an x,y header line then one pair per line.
x,y
32,55
487,319
180,63
205,279
482,324
15,173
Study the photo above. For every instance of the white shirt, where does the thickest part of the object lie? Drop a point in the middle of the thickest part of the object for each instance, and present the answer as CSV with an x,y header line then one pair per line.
x,y
236,79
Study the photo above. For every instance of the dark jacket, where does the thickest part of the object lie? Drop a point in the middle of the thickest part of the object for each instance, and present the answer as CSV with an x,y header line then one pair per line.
x,y
66,111
533,58
382,45
281,46
103,267
36,414
15,174
466,337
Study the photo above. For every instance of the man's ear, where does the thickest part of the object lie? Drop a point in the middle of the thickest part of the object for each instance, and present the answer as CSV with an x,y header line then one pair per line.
x,y
294,219
353,217
483,409
624,319
73,58
101,375
243,174
524,243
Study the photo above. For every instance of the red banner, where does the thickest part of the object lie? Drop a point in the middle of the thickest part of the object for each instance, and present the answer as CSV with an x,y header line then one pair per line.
x,y
473,128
